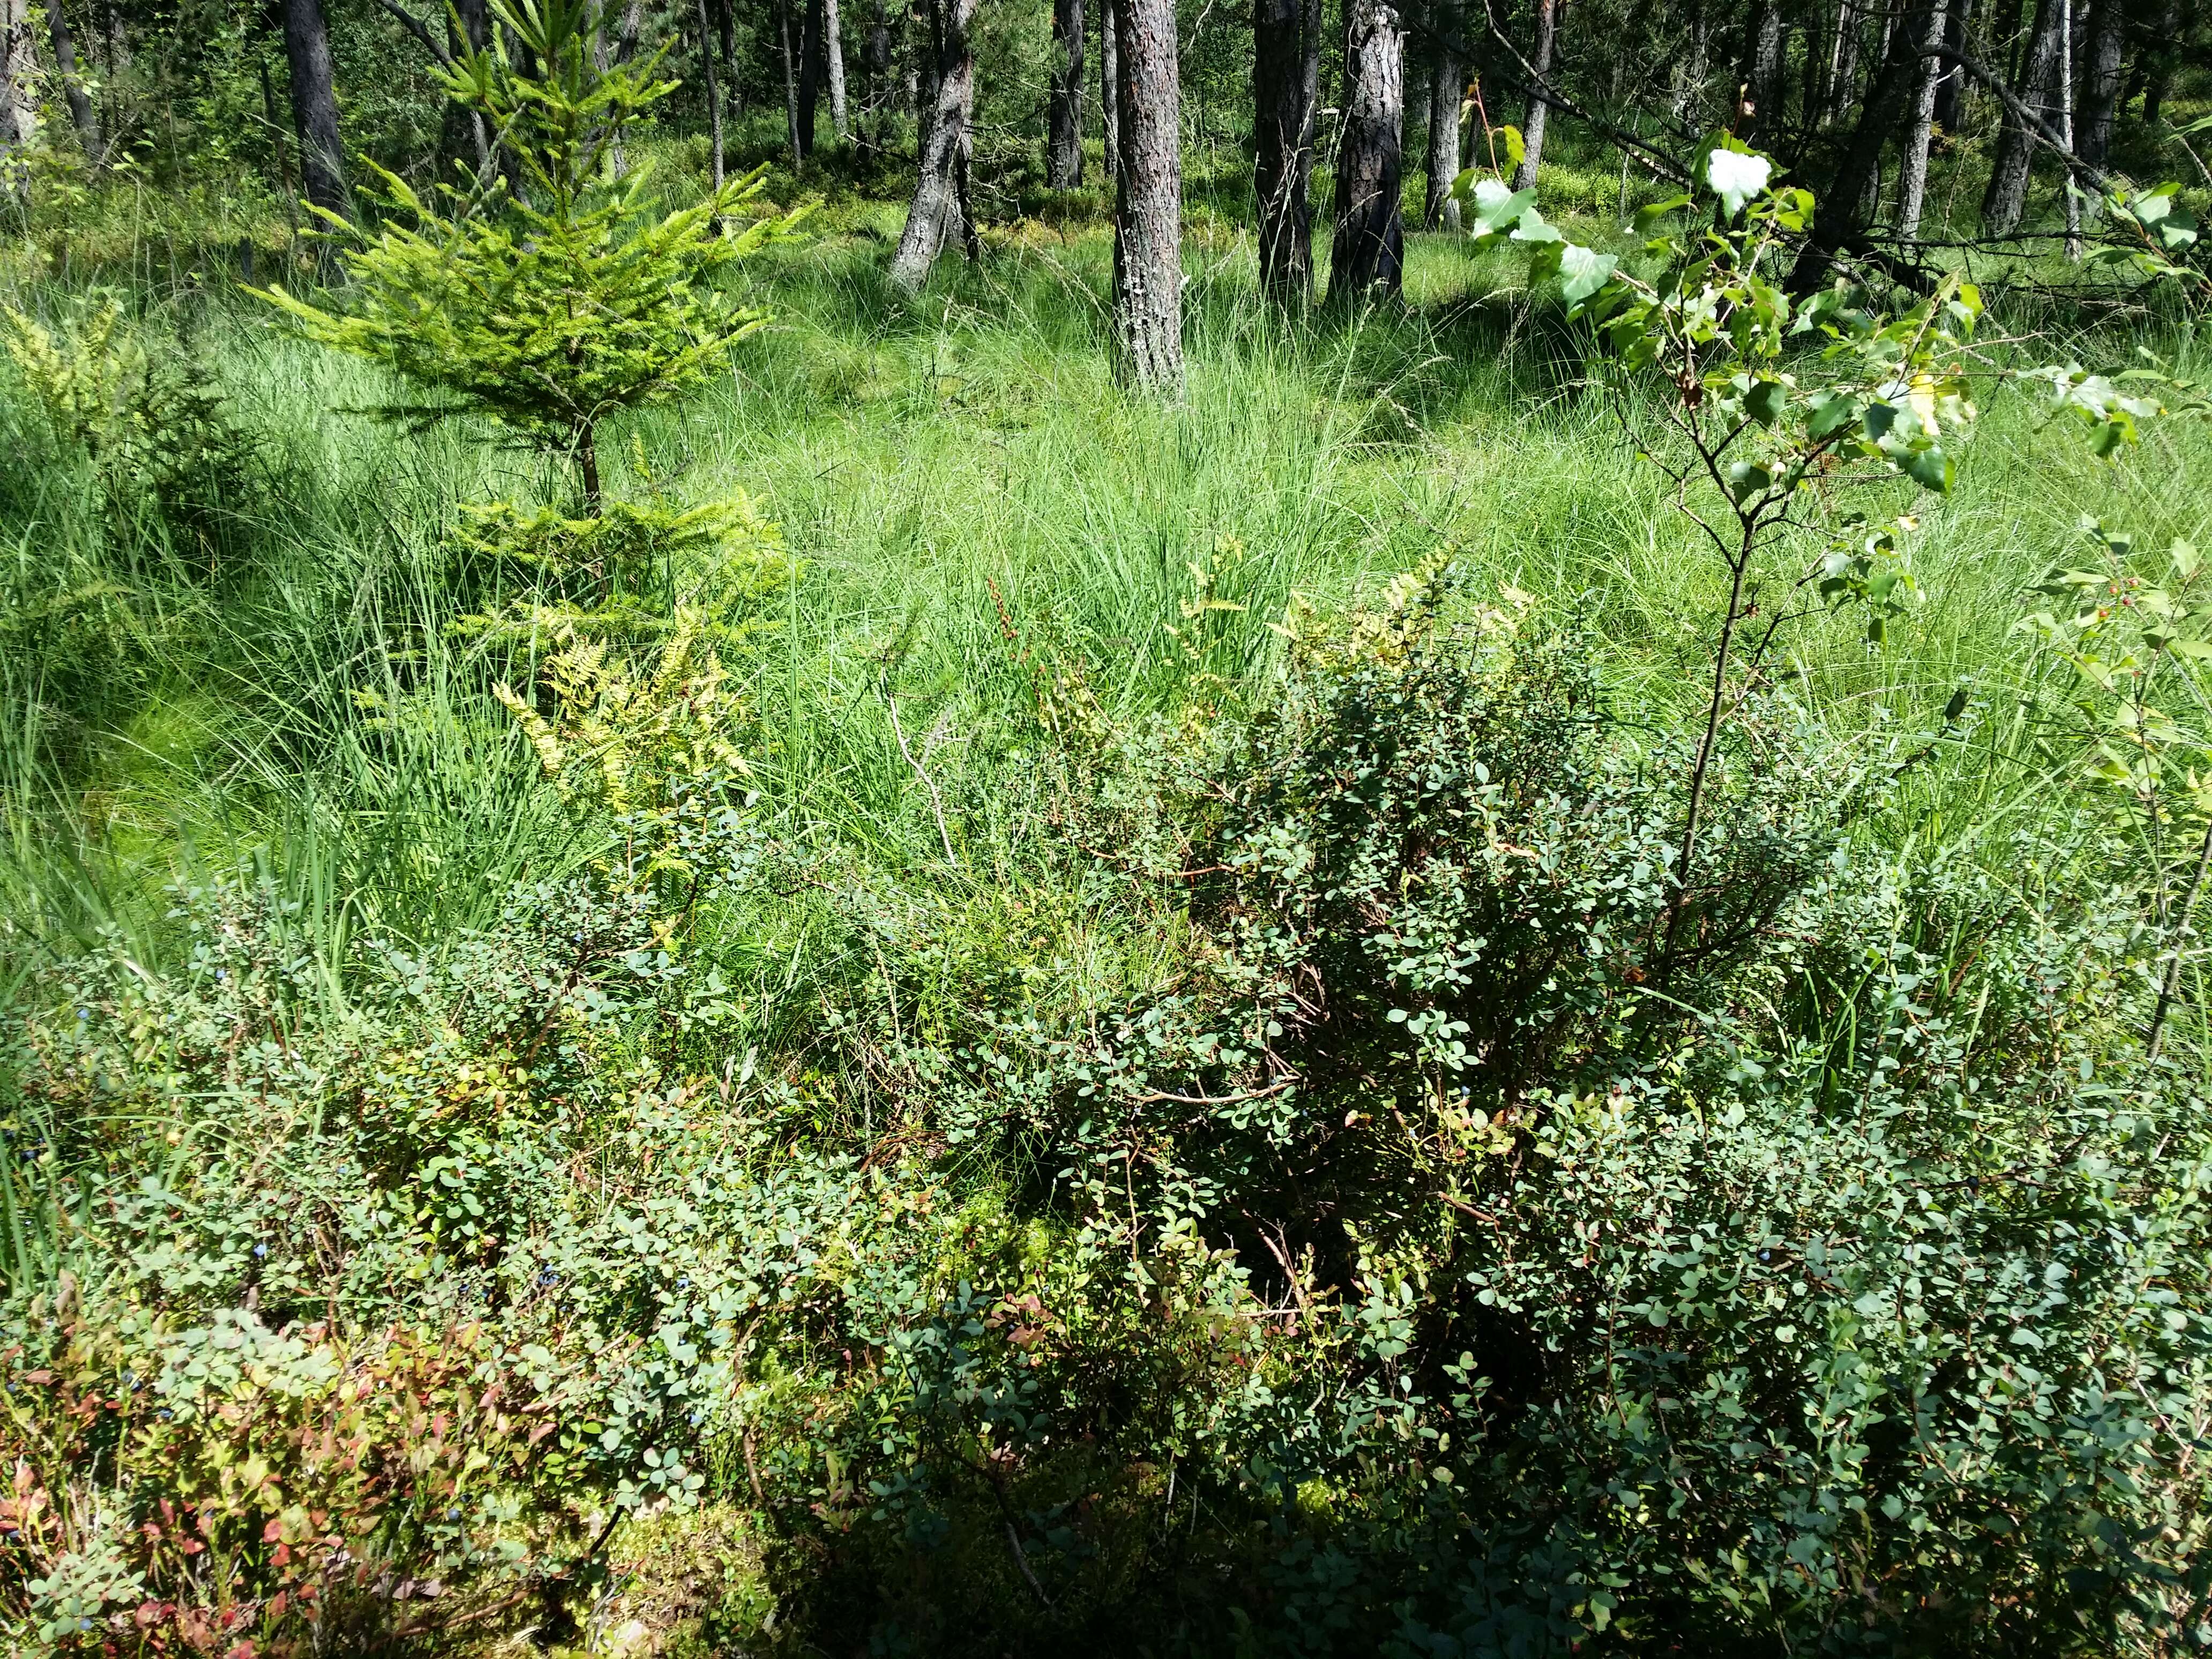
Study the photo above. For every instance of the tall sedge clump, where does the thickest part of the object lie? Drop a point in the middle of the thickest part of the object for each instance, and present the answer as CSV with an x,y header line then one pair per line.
x,y
554,305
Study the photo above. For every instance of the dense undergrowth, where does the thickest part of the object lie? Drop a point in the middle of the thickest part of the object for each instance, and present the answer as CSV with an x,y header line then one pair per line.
x,y
1110,1051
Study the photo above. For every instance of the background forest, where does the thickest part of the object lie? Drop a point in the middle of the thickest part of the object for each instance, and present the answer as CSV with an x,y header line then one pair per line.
x,y
992,830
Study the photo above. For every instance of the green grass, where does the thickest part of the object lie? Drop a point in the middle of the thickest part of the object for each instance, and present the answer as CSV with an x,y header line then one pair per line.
x,y
921,455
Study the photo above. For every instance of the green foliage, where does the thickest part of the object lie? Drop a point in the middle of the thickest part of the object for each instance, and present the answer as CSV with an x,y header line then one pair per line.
x,y
549,306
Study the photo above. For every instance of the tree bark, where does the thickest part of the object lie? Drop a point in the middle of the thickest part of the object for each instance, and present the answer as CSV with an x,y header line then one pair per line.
x,y
713,89
1279,129
726,42
833,64
2100,81
314,104
1063,161
1845,211
2158,72
2007,195
1951,94
1912,171
1843,72
1148,197
939,214
65,69
1110,92
17,117
1368,251
877,98
1531,123
1439,211
1762,73
809,76
790,81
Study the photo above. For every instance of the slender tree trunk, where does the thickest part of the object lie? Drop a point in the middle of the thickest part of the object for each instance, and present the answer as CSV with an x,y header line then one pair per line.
x,y
314,104
1148,197
1762,73
65,69
790,82
1367,253
1843,74
2157,71
1912,171
1845,210
1278,128
879,74
1531,123
2006,198
713,89
1110,92
1439,211
2072,204
1951,94
809,76
725,44
937,214
18,116
1063,161
2101,80
833,62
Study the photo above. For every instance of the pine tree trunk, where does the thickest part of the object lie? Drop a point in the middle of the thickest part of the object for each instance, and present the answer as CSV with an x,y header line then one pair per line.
x,y
1912,171
1843,79
1951,94
2006,198
832,62
1278,128
1367,253
2158,72
314,104
1762,73
1148,197
65,69
1846,209
725,44
1531,123
790,81
879,73
2100,81
1110,92
713,89
938,212
1063,161
809,76
1439,211
18,115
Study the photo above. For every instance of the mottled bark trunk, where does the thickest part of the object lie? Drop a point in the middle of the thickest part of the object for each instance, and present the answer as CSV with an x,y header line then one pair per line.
x,y
17,116
2100,81
314,104
832,64
1951,90
713,89
877,104
1367,253
790,80
1762,75
1843,70
1279,130
2036,86
809,76
725,42
2158,70
65,69
1912,171
1110,92
1439,211
937,214
1846,209
1148,196
1531,123
1063,161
